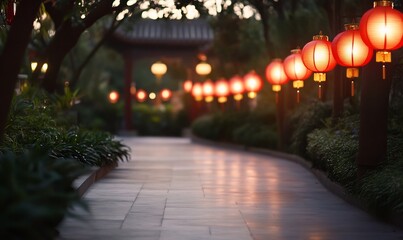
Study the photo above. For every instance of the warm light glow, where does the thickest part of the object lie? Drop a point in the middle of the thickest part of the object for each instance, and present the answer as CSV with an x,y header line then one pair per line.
x,y
33,66
208,88
159,69
141,95
187,85
203,69
381,27
253,82
209,99
236,85
44,68
152,95
275,74
349,49
221,88
294,67
317,55
222,99
252,95
197,91
166,94
113,97
238,97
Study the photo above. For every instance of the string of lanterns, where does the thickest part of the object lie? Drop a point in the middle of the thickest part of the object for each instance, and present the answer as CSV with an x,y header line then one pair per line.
x,y
141,95
380,29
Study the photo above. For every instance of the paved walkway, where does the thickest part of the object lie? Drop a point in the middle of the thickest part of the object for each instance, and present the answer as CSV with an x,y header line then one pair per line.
x,y
175,190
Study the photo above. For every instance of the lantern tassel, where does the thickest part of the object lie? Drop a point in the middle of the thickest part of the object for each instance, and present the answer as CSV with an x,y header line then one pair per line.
x,y
383,72
276,97
320,92
352,88
298,96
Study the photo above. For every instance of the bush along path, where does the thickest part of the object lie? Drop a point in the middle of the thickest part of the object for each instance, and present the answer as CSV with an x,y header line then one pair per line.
x,y
41,155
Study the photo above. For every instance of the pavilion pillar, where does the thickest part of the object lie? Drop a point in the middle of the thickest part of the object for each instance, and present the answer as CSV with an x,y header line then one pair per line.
x,y
127,96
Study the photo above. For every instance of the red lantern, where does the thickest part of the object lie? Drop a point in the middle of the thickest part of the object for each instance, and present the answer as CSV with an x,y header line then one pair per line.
x,y
295,70
350,51
141,95
166,94
275,75
318,57
221,89
381,28
208,91
113,97
187,85
236,87
197,91
253,84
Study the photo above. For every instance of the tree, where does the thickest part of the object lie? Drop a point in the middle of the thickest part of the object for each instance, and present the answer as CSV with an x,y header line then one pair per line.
x,y
13,52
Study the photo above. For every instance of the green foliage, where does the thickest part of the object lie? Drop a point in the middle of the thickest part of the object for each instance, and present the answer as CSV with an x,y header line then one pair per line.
x,y
255,129
36,192
151,120
303,121
256,135
334,149
33,124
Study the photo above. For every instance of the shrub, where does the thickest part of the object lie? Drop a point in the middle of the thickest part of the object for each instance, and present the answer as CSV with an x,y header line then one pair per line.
x,y
36,192
256,135
334,149
303,121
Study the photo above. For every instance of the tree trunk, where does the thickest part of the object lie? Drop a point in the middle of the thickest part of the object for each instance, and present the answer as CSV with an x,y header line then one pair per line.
x,y
13,53
373,117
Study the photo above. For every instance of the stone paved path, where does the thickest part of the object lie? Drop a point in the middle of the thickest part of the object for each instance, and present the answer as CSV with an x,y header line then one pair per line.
x,y
175,190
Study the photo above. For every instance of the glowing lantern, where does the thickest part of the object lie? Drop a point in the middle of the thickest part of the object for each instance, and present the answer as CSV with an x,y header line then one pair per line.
x,y
318,57
295,70
197,91
208,91
203,68
253,83
113,97
350,51
381,28
159,69
221,89
141,95
187,85
166,94
275,75
236,87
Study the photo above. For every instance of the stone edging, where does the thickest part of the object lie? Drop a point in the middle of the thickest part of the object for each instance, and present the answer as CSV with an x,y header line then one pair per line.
x,y
333,187
96,174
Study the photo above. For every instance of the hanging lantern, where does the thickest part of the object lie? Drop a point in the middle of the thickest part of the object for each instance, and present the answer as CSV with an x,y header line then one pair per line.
x,y
208,91
275,75
159,69
236,87
221,90
187,85
197,91
166,94
350,51
253,84
113,97
381,28
203,68
141,95
318,57
295,70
